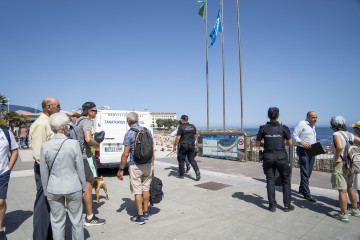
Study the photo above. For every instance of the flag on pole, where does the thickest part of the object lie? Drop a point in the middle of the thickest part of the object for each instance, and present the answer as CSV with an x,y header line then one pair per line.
x,y
217,28
202,9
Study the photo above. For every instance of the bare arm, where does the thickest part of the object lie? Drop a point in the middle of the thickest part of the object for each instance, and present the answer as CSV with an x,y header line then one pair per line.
x,y
357,141
338,150
13,158
90,140
124,158
259,144
177,139
289,142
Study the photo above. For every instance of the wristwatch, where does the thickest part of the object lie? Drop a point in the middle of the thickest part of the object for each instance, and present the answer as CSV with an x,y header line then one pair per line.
x,y
121,169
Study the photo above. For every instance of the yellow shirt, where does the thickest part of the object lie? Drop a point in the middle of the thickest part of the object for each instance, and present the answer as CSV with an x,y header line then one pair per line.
x,y
40,132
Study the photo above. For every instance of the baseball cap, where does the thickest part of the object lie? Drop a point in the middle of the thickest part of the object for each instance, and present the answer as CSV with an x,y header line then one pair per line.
x,y
357,125
86,107
75,112
337,121
184,117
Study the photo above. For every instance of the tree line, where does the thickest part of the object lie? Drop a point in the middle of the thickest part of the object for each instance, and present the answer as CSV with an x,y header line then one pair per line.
x,y
10,118
167,123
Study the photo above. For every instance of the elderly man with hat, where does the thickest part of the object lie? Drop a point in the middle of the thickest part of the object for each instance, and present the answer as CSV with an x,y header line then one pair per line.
x,y
186,136
356,127
84,125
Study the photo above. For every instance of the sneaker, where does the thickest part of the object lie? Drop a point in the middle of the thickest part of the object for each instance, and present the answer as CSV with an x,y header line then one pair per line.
x,y
197,176
342,217
146,215
354,212
272,208
289,208
95,221
138,219
181,176
187,167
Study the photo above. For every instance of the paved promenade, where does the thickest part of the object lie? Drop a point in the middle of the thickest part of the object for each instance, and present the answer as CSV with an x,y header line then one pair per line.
x,y
237,211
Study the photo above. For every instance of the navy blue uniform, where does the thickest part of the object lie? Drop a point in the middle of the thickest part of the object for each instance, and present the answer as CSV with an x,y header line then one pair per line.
x,y
274,158
187,134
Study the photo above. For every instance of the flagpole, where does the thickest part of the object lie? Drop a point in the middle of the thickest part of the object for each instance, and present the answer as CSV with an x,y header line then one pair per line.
x,y
207,68
223,60
241,92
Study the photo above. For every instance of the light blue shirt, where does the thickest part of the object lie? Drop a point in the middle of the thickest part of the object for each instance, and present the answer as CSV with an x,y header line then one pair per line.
x,y
304,132
4,150
129,140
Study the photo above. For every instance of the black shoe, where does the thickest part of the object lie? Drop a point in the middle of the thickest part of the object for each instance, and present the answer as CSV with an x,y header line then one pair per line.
x,y
181,176
301,191
272,208
289,208
310,198
187,167
197,176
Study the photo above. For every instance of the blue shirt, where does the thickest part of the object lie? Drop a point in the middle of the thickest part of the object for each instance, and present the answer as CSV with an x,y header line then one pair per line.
x,y
304,132
129,140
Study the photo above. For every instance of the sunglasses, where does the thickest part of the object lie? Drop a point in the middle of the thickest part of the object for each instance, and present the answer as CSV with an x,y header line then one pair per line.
x,y
95,111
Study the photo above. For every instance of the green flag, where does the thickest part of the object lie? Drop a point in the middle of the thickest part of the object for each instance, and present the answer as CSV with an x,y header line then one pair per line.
x,y
202,9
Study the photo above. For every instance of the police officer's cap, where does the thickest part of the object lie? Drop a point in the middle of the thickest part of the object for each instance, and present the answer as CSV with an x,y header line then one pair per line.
x,y
184,117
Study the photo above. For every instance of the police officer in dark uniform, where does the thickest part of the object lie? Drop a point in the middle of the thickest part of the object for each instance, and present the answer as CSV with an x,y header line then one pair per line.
x,y
275,158
186,136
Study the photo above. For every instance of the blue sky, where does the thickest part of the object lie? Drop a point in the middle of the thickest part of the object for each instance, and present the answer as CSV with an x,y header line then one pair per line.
x,y
296,55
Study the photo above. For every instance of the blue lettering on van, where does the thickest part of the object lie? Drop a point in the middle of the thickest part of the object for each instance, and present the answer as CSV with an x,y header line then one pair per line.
x,y
141,122
114,122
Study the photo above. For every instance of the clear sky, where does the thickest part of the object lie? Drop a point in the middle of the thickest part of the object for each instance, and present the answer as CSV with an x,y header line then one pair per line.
x,y
298,55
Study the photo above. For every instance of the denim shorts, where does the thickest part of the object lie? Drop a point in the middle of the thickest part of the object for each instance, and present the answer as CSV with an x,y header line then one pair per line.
x,y
4,182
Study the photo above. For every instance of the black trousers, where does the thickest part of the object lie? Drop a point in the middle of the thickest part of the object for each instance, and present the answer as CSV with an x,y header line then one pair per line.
x,y
41,218
272,161
187,149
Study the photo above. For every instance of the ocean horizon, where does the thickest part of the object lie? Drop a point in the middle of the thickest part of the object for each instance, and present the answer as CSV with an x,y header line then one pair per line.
x,y
323,134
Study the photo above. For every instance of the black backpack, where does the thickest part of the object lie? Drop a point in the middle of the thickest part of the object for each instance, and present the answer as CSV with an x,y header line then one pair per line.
x,y
156,193
143,151
7,135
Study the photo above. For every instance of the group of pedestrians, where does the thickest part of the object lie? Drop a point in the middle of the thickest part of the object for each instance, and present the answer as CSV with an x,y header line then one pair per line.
x,y
275,135
63,172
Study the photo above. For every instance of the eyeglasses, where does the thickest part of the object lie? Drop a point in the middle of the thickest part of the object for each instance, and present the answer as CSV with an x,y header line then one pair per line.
x,y
95,111
58,106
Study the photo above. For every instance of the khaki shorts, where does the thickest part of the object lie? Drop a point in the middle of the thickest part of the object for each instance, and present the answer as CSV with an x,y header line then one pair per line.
x,y
341,178
140,178
357,181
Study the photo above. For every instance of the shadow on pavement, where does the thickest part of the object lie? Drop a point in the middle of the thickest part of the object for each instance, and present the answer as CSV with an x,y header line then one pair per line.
x,y
130,207
13,220
68,230
254,199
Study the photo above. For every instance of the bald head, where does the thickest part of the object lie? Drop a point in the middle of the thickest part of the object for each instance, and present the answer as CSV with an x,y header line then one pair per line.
x,y
50,106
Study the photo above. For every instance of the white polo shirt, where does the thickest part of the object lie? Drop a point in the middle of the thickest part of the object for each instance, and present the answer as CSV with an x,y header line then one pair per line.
x,y
4,150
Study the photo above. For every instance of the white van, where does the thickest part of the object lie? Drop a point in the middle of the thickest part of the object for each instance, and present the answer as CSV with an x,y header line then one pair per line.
x,y
114,124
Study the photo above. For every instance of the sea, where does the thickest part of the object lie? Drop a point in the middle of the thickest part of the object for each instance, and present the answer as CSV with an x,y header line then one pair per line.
x,y
324,135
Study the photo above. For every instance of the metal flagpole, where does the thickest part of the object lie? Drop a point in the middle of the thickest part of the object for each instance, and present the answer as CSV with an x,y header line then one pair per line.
x,y
207,67
223,60
241,94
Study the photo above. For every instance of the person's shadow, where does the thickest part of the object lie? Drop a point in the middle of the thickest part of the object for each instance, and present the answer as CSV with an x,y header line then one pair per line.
x,y
13,220
254,199
130,207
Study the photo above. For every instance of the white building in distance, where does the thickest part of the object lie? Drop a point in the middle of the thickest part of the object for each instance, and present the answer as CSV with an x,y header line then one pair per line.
x,y
155,116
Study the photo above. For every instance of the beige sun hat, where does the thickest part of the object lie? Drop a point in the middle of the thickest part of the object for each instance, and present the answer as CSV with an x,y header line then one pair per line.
x,y
75,112
357,125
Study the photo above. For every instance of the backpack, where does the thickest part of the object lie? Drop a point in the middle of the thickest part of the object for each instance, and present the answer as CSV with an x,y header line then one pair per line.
x,y
7,135
351,156
143,151
74,133
156,193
